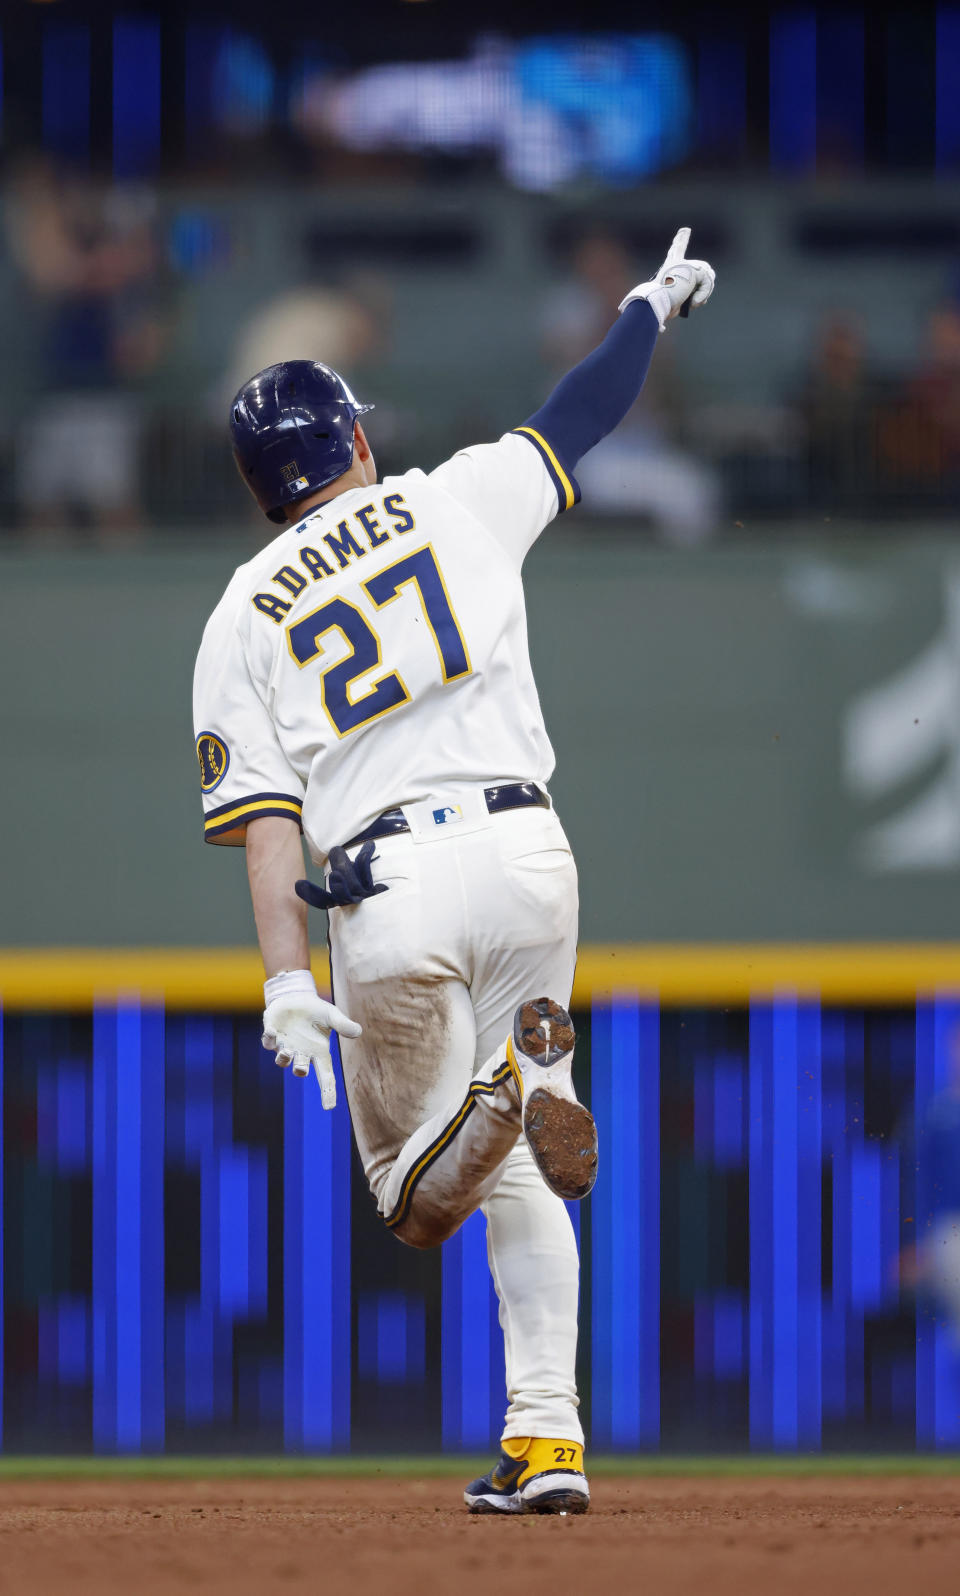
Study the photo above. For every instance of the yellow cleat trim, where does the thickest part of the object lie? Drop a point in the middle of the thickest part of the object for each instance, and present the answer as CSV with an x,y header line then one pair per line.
x,y
544,1456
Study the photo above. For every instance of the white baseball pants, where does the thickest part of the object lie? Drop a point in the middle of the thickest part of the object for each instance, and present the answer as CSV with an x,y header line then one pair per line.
x,y
481,914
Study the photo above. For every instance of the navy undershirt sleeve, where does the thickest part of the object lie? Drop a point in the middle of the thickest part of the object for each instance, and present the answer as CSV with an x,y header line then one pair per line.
x,y
595,396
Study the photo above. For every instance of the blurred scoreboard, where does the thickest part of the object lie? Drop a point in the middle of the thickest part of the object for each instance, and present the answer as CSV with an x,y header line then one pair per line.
x,y
191,1259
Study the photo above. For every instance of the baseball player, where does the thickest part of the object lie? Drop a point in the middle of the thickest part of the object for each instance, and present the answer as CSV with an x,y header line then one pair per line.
x,y
365,681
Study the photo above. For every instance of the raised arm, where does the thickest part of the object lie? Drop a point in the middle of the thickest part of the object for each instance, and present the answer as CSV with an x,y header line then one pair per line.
x,y
595,396
502,485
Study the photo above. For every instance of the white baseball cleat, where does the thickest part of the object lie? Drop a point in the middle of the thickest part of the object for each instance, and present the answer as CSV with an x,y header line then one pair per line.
x,y
561,1133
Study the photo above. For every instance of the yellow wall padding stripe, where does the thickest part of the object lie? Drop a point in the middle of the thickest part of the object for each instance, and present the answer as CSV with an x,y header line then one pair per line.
x,y
232,978
182,978
558,468
836,972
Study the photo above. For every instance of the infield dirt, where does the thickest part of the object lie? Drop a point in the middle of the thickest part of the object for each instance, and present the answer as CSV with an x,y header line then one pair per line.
x,y
407,1537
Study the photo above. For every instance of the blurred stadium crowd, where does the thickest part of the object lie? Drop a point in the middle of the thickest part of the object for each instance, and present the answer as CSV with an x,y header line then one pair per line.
x,y
454,231
131,316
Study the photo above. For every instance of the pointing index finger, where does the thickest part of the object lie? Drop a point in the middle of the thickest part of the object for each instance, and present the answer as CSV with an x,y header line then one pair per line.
x,y
678,249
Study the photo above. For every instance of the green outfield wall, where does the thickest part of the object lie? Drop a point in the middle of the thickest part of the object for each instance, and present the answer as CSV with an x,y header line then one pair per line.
x,y
754,743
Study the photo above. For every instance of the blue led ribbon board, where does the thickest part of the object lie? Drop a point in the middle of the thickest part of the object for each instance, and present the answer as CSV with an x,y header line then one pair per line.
x,y
190,1258
66,90
785,1225
472,1360
793,91
948,87
938,1349
625,1225
136,97
128,1230
316,1270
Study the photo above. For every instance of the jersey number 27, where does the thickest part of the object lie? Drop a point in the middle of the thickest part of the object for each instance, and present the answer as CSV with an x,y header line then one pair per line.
x,y
346,712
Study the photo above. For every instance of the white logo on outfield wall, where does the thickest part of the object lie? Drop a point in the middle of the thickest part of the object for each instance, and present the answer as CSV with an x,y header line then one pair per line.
x,y
909,724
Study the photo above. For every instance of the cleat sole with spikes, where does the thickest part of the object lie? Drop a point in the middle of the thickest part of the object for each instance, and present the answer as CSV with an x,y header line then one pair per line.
x,y
563,1140
558,1502
561,1133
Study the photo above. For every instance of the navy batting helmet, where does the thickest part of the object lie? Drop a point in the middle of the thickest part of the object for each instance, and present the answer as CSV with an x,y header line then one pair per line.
x,y
292,431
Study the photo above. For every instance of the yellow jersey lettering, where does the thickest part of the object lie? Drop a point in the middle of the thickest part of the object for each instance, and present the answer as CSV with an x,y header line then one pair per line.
x,y
315,564
345,547
269,604
402,519
371,526
292,580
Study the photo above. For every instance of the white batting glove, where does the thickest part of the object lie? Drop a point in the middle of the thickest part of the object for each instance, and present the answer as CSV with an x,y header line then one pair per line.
x,y
297,1026
679,280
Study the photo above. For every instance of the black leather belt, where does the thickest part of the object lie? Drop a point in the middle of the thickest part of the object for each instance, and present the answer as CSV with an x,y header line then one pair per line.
x,y
513,795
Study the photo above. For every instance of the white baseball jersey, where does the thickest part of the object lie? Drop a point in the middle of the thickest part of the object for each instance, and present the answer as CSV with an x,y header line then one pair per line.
x,y
375,653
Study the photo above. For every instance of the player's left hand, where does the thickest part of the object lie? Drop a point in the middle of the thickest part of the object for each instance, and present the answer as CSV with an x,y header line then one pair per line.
x,y
679,285
297,1025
